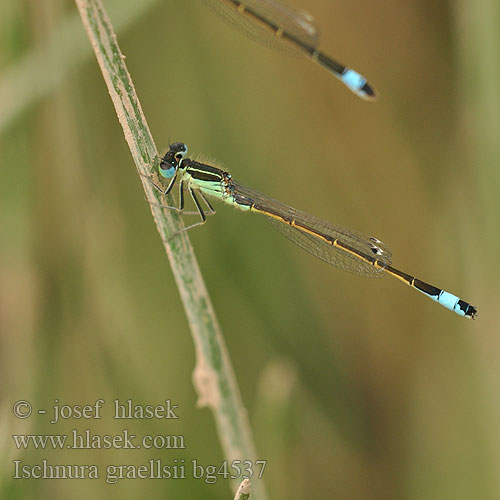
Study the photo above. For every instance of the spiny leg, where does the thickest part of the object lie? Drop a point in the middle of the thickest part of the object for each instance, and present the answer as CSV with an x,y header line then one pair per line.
x,y
164,192
200,212
181,195
180,208
211,209
167,191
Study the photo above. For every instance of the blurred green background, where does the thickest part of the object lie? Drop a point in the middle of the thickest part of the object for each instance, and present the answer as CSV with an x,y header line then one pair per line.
x,y
355,388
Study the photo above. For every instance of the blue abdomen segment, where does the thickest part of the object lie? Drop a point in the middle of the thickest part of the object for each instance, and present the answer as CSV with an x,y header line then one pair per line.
x,y
446,299
353,80
449,301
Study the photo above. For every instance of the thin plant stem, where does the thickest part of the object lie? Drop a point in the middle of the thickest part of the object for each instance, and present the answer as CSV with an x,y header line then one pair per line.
x,y
243,492
213,375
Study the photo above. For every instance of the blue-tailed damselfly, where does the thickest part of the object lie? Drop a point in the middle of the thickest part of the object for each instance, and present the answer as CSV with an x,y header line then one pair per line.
x,y
290,30
336,245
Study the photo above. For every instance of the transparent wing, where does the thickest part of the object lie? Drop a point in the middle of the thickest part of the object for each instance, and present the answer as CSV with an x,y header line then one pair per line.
x,y
296,22
367,246
261,18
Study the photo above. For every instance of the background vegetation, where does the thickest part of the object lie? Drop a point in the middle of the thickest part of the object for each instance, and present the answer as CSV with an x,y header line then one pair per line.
x,y
355,388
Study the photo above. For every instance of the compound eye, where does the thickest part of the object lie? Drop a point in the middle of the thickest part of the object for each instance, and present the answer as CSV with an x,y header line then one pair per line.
x,y
178,150
168,167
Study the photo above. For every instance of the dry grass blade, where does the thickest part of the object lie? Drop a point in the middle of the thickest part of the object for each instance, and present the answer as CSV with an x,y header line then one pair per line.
x,y
213,375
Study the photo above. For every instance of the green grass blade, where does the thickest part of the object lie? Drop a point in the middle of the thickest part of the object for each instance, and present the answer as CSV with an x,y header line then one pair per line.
x,y
213,375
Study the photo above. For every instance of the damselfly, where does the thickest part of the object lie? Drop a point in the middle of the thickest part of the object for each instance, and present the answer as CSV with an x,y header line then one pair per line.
x,y
336,245
290,30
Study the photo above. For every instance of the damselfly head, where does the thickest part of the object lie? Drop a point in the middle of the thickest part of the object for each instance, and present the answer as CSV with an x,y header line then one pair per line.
x,y
168,165
172,159
178,150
